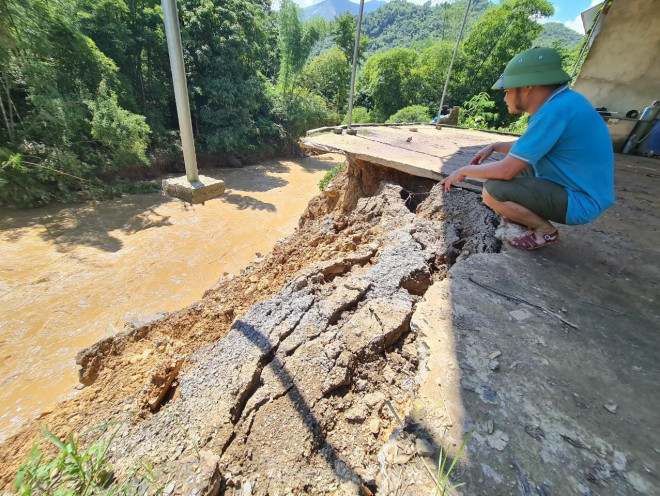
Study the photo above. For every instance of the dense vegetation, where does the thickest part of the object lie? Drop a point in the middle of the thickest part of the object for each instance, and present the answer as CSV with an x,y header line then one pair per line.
x,y
556,32
407,25
86,96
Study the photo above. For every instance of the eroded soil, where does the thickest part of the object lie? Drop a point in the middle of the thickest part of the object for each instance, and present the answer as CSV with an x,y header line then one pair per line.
x,y
71,274
309,330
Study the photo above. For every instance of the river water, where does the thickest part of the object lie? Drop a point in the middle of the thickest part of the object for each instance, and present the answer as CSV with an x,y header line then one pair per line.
x,y
69,275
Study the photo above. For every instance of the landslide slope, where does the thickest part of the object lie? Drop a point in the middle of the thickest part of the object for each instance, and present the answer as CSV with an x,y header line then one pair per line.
x,y
293,371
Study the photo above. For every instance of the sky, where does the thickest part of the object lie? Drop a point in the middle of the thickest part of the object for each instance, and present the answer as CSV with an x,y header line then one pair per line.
x,y
566,11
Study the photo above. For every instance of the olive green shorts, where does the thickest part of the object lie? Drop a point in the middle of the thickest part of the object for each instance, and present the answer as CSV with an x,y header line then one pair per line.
x,y
545,198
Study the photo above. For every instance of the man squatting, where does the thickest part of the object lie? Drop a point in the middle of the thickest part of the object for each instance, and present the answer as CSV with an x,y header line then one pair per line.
x,y
561,169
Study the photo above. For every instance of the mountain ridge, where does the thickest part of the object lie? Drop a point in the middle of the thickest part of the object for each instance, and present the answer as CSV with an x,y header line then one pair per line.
x,y
329,9
400,23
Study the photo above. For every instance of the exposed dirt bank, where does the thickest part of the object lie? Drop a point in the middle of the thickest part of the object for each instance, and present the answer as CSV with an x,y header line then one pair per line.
x,y
350,260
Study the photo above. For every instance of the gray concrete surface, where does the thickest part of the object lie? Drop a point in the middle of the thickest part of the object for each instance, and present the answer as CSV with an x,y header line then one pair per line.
x,y
422,151
562,409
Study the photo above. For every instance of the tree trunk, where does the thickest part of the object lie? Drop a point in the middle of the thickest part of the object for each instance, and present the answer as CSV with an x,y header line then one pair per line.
x,y
8,120
10,131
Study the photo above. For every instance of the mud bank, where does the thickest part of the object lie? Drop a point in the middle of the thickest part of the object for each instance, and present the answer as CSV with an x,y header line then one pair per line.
x,y
390,325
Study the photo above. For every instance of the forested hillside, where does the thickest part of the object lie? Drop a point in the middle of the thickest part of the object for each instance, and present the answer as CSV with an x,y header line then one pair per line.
x,y
404,24
86,96
556,32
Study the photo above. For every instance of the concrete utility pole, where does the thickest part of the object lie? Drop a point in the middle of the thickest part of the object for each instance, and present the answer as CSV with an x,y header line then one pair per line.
x,y
451,64
192,188
355,62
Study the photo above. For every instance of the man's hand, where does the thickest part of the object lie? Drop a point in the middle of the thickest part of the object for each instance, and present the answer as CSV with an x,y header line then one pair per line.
x,y
482,155
454,177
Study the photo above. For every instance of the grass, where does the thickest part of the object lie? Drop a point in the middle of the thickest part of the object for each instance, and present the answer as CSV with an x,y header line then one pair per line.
x,y
330,175
442,485
75,471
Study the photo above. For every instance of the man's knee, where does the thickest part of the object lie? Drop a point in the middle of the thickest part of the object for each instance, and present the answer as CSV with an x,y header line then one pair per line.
x,y
492,192
488,200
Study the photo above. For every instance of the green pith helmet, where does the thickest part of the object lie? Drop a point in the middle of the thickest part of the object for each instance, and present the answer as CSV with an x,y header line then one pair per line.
x,y
533,67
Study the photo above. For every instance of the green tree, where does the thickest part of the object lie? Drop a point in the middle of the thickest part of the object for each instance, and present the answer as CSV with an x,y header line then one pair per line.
x,y
568,56
404,24
49,71
296,40
360,116
556,34
476,112
130,32
328,75
343,32
302,111
434,64
124,134
225,42
414,113
502,32
391,81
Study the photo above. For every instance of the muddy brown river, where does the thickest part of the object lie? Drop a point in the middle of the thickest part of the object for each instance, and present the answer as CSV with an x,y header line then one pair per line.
x,y
70,275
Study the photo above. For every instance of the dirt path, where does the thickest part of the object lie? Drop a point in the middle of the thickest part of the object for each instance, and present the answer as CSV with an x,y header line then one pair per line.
x,y
72,274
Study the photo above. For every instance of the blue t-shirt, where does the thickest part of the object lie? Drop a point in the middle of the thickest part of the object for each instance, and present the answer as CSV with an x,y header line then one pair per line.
x,y
567,142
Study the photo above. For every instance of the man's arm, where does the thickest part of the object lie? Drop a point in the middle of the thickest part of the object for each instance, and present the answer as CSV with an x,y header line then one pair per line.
x,y
484,153
505,169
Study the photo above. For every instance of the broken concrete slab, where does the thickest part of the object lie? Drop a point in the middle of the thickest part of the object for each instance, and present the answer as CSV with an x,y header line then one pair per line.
x,y
432,154
274,397
289,408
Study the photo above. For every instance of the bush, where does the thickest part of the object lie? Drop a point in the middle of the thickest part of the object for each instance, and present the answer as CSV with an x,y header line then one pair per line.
x,y
414,113
519,126
330,175
125,134
361,115
38,175
326,75
475,112
302,111
391,81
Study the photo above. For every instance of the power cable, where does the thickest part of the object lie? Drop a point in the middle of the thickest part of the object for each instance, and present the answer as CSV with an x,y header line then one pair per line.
x,y
453,57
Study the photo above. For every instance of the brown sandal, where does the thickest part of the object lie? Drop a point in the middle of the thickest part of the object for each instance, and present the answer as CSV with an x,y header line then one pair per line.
x,y
529,242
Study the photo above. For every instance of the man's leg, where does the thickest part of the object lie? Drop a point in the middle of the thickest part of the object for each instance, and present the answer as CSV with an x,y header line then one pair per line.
x,y
530,201
520,214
